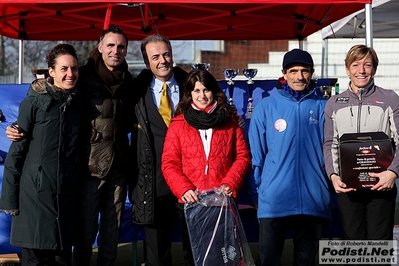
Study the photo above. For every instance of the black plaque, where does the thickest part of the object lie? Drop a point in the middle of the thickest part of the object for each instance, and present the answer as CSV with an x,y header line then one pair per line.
x,y
362,153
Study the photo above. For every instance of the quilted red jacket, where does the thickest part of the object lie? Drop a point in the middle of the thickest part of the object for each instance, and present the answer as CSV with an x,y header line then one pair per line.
x,y
184,161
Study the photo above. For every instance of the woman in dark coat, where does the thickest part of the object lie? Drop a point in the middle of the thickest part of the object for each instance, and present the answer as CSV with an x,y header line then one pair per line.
x,y
40,181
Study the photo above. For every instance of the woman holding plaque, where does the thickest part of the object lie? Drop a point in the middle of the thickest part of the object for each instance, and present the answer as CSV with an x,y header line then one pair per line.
x,y
365,213
204,146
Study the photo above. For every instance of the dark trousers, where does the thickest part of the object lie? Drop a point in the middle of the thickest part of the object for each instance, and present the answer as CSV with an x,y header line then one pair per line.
x,y
187,250
307,233
40,257
105,197
159,235
367,214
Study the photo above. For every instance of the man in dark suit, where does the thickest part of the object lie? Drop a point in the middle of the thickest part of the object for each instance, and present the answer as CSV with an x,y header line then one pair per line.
x,y
154,206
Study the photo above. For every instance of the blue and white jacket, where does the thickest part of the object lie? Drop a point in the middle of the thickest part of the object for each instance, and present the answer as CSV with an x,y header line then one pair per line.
x,y
286,142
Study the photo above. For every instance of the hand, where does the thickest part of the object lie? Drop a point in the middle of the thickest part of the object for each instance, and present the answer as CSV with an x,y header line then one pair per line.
x,y
339,186
13,212
189,197
241,122
386,182
13,134
226,190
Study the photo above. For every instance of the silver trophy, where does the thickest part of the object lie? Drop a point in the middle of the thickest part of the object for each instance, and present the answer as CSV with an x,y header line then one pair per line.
x,y
201,66
326,91
229,75
250,73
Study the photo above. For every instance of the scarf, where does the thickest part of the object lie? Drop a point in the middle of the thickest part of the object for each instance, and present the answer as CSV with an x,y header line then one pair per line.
x,y
64,96
113,79
298,95
205,118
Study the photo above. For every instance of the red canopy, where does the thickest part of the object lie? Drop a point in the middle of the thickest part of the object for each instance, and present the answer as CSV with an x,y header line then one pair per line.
x,y
178,19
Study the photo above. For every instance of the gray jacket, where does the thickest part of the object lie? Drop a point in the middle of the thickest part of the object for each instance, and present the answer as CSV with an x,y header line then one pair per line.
x,y
372,109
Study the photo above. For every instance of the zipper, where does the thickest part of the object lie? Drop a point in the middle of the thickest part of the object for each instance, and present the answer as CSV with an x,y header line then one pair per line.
x,y
359,111
58,189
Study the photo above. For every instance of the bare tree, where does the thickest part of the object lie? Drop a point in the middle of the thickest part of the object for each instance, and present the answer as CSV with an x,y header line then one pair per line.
x,y
2,55
83,49
35,55
9,51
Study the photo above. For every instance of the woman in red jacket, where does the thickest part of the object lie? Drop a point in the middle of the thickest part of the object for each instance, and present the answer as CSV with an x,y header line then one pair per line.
x,y
204,146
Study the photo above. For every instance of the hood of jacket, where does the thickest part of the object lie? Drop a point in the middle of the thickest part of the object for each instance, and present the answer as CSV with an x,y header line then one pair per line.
x,y
44,87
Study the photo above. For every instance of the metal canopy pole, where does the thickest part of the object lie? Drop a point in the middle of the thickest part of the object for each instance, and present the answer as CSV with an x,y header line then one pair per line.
x,y
21,61
369,24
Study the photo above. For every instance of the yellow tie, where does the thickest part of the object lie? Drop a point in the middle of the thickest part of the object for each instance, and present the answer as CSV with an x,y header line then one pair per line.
x,y
165,107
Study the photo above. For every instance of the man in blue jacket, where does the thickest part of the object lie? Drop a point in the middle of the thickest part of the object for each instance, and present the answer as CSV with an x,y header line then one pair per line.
x,y
286,140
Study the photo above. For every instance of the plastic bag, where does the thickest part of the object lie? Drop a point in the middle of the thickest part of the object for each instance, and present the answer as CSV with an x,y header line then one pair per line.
x,y
216,233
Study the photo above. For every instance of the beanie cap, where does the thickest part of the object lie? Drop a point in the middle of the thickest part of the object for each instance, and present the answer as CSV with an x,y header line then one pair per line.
x,y
297,56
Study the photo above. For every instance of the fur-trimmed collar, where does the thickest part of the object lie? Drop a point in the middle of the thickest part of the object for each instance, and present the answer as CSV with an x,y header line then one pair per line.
x,y
39,85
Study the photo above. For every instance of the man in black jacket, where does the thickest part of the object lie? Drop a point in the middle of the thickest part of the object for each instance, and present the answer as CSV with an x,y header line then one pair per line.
x,y
105,86
154,206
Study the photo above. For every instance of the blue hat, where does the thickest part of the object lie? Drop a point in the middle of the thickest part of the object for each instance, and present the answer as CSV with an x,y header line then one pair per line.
x,y
297,56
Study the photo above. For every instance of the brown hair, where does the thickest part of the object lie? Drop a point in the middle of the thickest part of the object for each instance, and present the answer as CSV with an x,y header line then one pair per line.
x,y
358,52
209,82
61,49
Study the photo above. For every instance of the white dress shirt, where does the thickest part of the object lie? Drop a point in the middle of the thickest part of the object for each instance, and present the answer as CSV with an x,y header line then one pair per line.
x,y
173,92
